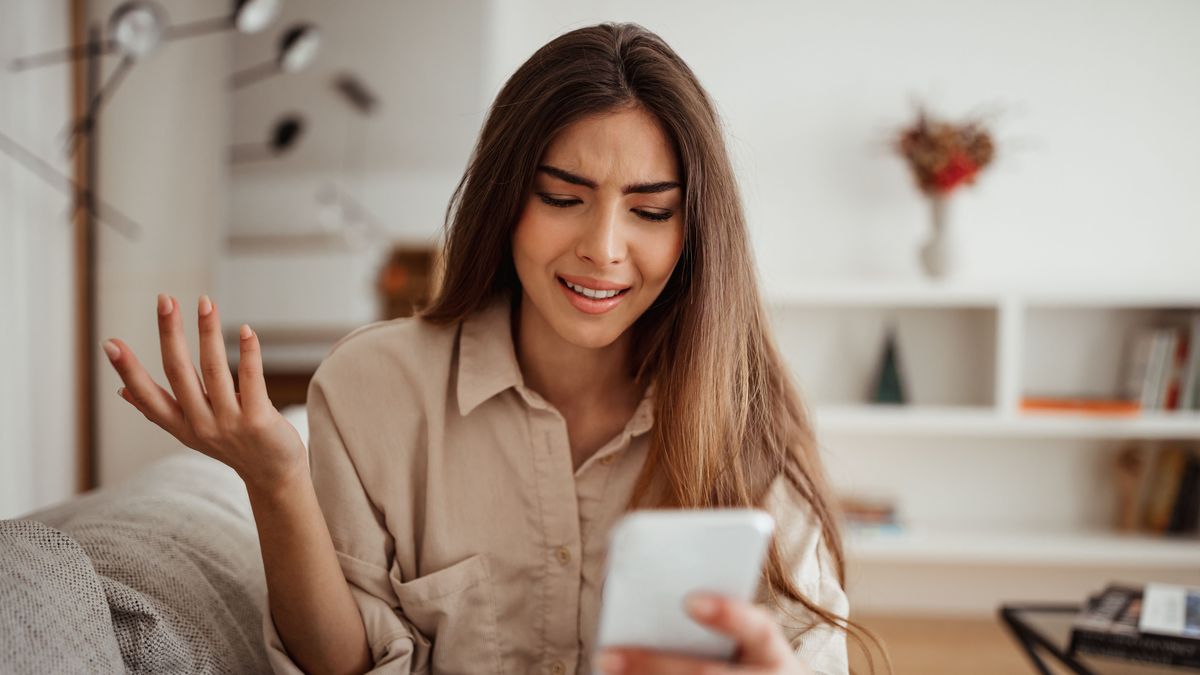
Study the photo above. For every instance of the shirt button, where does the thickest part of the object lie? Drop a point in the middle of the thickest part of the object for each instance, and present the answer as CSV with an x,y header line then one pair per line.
x,y
564,555
607,459
558,668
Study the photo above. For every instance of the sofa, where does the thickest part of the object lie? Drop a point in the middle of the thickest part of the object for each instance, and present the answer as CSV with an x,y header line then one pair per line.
x,y
160,573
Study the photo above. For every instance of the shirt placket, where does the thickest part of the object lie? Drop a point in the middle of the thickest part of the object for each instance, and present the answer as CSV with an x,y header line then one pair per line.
x,y
563,549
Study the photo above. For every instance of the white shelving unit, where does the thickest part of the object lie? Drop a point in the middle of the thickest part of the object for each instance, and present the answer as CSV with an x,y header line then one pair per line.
x,y
986,421
994,501
1057,549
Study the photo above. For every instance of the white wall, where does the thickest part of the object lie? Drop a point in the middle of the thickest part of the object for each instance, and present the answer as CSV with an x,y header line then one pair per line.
x,y
1096,169
37,299
164,142
1094,178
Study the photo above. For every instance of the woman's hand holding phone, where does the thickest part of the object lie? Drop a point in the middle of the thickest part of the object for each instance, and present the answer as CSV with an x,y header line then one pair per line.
x,y
762,648
242,430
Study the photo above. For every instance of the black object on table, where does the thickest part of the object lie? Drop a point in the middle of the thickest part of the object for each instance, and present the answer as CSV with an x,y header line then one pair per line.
x,y
1045,629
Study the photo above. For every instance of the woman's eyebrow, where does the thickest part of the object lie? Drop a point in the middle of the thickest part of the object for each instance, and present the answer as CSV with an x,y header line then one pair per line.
x,y
639,188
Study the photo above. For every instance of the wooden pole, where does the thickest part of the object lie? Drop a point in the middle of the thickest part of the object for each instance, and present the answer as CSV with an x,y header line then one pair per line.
x,y
85,81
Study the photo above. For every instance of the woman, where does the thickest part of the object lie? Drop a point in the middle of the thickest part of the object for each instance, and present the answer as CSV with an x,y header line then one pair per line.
x,y
598,343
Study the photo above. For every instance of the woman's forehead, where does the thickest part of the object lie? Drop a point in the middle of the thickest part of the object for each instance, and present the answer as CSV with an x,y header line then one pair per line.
x,y
618,148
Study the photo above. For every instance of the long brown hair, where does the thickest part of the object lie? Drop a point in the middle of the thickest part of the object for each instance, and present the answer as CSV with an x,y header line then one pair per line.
x,y
728,419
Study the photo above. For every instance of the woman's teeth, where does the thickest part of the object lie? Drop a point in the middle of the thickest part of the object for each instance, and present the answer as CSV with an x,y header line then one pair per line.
x,y
598,295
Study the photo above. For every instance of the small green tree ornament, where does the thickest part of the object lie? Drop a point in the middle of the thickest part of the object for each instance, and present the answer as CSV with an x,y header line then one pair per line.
x,y
889,385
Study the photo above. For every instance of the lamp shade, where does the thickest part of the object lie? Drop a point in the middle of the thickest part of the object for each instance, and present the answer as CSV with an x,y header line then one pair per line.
x,y
298,47
251,16
136,27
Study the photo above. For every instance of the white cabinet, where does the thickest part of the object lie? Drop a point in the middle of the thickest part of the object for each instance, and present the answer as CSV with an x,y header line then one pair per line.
x,y
997,504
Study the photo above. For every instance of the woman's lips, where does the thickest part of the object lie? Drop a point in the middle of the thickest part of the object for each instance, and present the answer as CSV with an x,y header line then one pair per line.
x,y
591,305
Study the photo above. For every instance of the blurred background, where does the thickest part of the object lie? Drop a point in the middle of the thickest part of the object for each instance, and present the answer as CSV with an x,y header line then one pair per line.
x,y
976,224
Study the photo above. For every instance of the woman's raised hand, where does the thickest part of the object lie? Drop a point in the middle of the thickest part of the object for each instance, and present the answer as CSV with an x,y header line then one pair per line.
x,y
242,430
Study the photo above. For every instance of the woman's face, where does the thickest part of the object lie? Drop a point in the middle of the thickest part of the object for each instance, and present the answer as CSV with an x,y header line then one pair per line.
x,y
605,213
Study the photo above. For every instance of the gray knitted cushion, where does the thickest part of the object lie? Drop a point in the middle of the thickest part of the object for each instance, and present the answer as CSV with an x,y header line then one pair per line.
x,y
176,553
53,610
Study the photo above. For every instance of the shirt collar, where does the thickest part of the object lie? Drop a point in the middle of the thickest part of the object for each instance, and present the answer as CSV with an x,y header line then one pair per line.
x,y
487,362
643,416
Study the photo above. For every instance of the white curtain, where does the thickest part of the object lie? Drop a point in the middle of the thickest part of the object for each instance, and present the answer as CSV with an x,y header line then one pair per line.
x,y
37,299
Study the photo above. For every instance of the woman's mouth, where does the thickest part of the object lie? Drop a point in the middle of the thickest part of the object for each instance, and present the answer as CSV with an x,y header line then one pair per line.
x,y
590,301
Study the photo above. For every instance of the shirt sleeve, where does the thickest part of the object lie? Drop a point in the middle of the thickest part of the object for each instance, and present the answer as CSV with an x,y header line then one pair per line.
x,y
819,645
365,549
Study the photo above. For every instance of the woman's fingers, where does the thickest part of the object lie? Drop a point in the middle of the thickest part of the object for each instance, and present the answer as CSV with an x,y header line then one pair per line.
x,y
761,647
214,365
759,638
638,661
181,372
142,391
250,374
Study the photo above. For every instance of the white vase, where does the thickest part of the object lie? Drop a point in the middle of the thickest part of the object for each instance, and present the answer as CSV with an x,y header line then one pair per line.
x,y
937,253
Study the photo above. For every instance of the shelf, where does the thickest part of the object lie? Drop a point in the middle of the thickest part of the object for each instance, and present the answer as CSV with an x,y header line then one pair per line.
x,y
1113,298
889,419
284,348
1145,425
1040,548
900,294
918,293
988,421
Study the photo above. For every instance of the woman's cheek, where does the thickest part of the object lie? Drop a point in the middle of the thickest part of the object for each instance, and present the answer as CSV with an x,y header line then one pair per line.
x,y
666,256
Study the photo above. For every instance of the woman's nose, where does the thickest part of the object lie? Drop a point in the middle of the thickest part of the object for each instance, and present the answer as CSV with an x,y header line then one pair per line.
x,y
603,241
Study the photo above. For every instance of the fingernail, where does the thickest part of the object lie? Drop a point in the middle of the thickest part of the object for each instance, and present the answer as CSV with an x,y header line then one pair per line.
x,y
164,304
205,305
701,605
111,349
246,331
610,662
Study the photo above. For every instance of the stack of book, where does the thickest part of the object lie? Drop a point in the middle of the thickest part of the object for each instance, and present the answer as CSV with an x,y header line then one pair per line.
x,y
1158,488
870,515
1154,623
1160,372
1162,367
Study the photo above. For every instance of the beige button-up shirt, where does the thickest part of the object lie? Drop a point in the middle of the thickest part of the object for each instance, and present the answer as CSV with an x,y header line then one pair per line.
x,y
470,542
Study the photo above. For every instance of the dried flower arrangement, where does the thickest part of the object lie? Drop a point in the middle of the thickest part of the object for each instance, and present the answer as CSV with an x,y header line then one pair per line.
x,y
943,155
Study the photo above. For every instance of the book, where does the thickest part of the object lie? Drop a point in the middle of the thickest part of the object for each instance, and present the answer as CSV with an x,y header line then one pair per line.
x,y
1176,363
870,515
1187,498
1189,399
1135,380
1110,624
1157,488
1102,407
860,510
1132,472
1164,488
1164,359
1170,610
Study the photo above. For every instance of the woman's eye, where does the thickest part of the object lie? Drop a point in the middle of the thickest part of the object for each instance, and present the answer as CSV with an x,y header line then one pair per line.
x,y
560,203
654,215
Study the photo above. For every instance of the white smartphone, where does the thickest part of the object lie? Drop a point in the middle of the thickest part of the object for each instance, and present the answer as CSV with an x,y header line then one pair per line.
x,y
657,557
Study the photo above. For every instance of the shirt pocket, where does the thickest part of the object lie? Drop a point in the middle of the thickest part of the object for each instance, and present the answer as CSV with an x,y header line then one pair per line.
x,y
455,609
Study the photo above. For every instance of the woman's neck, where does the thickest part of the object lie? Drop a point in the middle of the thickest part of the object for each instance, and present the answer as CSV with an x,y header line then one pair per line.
x,y
568,376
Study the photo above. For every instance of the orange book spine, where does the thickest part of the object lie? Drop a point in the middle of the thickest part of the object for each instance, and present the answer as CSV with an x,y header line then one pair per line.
x,y
1090,406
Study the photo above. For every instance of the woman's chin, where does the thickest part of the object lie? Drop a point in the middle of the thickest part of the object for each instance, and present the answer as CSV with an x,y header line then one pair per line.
x,y
588,333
